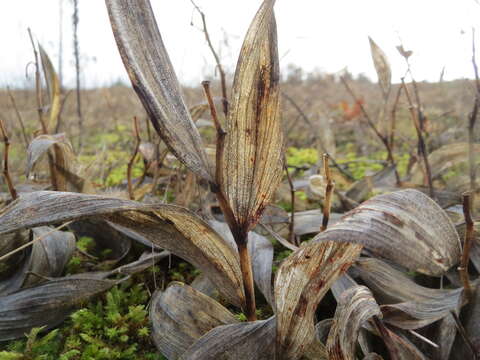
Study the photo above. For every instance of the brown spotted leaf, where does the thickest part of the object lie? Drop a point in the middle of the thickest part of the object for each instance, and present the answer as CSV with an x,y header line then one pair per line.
x,y
355,307
252,160
382,67
170,227
153,78
406,227
180,315
300,284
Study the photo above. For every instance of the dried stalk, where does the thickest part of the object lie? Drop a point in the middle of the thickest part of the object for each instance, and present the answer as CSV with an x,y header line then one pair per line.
x,y
223,81
472,120
305,118
328,193
467,244
241,237
34,241
384,139
132,159
19,117
6,173
54,177
464,335
291,224
422,148
76,53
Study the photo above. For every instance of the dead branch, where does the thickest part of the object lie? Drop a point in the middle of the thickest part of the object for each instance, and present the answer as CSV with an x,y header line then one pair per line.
x,y
467,244
132,159
291,224
217,60
328,193
6,173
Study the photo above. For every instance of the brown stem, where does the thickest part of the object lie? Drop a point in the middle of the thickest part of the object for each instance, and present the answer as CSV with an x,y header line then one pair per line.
x,y
6,173
391,138
467,244
385,335
305,118
472,121
328,193
76,53
223,81
422,148
247,275
19,117
464,335
132,159
291,224
383,139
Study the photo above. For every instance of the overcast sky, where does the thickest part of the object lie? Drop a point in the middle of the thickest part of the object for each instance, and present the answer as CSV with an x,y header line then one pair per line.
x,y
320,35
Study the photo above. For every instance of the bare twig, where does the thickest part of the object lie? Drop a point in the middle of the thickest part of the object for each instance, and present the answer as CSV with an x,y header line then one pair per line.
x,y
422,148
464,335
6,173
132,160
467,244
328,193
38,85
34,241
291,224
305,118
382,138
472,120
217,60
19,117
76,53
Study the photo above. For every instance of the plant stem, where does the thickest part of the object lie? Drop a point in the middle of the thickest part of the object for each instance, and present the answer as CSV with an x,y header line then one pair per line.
x,y
472,120
19,117
328,193
422,148
467,244
291,224
132,159
6,173
464,335
247,275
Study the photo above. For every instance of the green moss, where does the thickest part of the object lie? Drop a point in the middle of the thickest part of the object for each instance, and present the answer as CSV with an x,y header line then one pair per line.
x,y
301,157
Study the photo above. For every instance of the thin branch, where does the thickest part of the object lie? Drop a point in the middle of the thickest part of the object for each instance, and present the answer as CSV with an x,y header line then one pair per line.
x,y
305,118
19,118
6,173
422,148
217,60
38,85
34,241
132,159
472,121
328,193
291,224
464,335
467,244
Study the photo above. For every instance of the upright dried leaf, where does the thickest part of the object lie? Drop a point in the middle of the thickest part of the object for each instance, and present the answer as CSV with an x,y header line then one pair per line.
x,y
180,315
356,306
42,143
53,85
153,78
252,160
382,67
171,227
301,282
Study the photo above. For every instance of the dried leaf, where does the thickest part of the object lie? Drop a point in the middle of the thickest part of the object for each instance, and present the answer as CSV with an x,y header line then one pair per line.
x,y
54,90
309,221
9,242
41,144
153,78
46,257
171,227
406,227
252,160
355,307
244,341
180,315
47,304
301,282
405,53
382,67
317,184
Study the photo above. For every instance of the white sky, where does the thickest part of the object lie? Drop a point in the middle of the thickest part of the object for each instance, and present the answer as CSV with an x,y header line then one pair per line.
x,y
313,34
